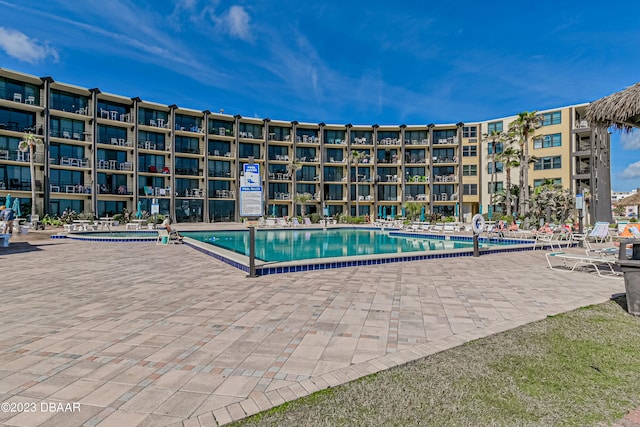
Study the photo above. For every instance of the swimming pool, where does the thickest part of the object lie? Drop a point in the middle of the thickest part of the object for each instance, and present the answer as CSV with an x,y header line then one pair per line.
x,y
294,250
301,244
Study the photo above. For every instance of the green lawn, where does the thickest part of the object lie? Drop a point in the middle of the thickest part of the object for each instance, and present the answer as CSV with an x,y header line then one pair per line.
x,y
576,369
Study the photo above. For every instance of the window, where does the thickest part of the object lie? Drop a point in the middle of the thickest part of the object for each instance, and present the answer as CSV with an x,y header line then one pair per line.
x,y
66,101
494,127
107,133
188,123
553,118
494,187
253,131
187,145
469,131
413,137
56,151
221,127
150,163
334,137
147,116
469,170
499,167
553,181
470,151
246,150
544,163
154,138
547,141
499,148
279,133
470,189
61,177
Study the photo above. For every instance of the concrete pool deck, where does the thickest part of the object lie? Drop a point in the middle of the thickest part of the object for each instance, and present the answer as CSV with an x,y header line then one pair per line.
x,y
139,334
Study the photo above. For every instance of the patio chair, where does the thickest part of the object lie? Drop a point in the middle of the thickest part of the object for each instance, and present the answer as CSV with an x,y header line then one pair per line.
x,y
307,221
295,222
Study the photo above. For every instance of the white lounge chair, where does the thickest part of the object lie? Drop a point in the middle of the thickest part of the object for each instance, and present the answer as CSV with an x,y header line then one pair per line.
x,y
295,222
600,232
281,222
307,221
570,262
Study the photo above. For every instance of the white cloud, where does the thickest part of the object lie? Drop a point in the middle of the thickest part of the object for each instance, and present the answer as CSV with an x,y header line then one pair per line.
x,y
631,172
20,46
236,21
630,141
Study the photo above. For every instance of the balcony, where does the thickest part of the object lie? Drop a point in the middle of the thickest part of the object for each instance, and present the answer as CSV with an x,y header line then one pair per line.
x,y
220,173
194,193
453,159
188,171
417,142
70,161
19,156
390,141
115,115
120,190
223,194
446,141
421,197
158,123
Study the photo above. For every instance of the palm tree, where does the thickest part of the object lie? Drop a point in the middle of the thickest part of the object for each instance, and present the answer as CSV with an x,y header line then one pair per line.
x,y
523,128
29,143
510,158
494,137
355,158
302,199
292,167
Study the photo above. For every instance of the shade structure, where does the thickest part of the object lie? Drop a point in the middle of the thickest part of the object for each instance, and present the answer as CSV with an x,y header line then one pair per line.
x,y
273,210
379,211
393,212
16,207
7,202
422,218
620,109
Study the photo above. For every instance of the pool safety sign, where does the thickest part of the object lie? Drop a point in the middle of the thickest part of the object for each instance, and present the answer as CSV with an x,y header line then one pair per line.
x,y
251,176
251,202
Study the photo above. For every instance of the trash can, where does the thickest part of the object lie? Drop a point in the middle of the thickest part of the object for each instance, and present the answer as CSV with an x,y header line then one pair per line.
x,y
631,270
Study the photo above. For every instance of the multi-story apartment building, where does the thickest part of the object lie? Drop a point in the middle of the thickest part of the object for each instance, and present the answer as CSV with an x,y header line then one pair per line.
x,y
102,153
569,152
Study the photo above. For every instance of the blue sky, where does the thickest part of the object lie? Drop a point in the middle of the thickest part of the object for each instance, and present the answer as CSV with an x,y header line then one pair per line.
x,y
360,62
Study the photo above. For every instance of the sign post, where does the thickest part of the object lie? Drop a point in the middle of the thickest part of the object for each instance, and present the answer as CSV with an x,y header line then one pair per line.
x,y
580,208
477,224
251,206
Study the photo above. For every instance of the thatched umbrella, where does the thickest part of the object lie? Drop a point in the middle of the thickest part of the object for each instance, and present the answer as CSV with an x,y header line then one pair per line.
x,y
632,200
620,109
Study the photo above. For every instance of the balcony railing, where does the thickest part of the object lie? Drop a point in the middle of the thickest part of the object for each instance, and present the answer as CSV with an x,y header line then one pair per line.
x,y
223,194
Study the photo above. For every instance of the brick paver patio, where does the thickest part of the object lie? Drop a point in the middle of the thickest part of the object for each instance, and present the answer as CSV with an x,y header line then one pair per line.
x,y
129,334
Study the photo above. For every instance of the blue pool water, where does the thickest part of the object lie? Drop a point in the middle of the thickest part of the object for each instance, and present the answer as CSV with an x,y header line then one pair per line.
x,y
292,245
